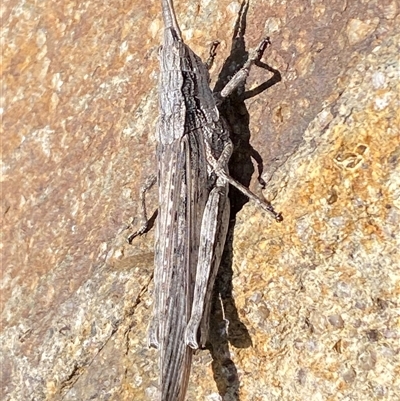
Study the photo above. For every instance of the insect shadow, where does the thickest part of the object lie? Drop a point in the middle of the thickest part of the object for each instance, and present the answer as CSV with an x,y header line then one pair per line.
x,y
225,325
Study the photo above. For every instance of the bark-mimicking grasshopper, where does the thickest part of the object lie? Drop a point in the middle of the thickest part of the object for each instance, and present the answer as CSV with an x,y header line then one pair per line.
x,y
193,150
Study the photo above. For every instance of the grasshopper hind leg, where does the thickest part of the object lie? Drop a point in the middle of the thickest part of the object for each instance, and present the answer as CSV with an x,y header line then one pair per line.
x,y
213,234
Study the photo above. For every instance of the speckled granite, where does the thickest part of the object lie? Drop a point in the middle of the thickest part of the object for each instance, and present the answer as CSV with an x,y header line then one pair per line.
x,y
311,306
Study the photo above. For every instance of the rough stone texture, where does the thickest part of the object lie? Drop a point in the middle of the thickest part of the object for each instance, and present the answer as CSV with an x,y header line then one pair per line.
x,y
312,303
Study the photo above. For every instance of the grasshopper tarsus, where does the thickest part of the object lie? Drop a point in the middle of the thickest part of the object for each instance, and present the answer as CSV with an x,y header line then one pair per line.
x,y
150,181
262,47
137,233
212,54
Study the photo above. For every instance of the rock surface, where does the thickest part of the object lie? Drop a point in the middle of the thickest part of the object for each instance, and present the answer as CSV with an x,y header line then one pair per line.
x,y
311,306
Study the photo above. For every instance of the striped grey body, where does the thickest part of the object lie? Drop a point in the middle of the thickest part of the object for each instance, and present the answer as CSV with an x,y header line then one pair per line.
x,y
187,190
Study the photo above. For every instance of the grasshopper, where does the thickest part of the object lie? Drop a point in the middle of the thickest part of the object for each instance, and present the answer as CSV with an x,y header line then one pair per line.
x,y
193,151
